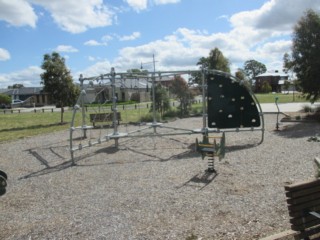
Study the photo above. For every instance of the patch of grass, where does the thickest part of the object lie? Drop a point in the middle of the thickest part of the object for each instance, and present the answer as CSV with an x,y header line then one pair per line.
x,y
15,126
21,125
282,98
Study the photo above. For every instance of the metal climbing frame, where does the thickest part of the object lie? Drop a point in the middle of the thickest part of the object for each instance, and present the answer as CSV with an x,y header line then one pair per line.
x,y
228,105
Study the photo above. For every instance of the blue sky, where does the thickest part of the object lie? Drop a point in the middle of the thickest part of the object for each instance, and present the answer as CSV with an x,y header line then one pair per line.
x,y
95,35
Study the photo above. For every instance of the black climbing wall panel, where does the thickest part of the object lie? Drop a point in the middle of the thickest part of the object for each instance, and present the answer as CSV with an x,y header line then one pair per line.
x,y
230,104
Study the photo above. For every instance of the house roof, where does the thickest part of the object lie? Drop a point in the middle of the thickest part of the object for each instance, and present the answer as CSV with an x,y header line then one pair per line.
x,y
23,91
273,74
4,90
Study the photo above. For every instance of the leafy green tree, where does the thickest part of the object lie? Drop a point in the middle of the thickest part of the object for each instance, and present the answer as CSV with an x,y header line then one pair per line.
x,y
288,63
266,88
253,68
288,67
181,89
215,61
306,54
15,86
58,82
240,74
4,100
136,71
162,101
286,85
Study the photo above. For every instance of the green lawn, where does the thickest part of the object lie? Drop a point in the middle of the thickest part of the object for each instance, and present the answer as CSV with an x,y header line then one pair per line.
x,y
20,125
282,98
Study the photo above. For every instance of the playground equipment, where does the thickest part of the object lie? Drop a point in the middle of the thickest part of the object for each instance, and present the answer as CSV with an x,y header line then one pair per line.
x,y
211,149
228,105
3,182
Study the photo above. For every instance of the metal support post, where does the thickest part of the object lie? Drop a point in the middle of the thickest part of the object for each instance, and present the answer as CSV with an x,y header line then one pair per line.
x,y
204,91
114,106
277,124
83,110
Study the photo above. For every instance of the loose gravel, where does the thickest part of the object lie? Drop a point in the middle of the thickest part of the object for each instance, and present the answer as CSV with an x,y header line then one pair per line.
x,y
153,187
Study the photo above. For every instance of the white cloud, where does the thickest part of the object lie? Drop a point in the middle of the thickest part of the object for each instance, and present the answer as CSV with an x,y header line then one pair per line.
x,y
223,17
106,38
138,5
274,15
29,77
18,13
104,41
92,43
182,50
250,38
160,2
73,16
92,59
279,16
4,54
97,69
66,48
131,37
77,16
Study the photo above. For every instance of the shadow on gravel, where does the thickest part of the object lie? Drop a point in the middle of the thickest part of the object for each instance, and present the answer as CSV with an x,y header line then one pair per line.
x,y
108,150
299,130
48,170
201,180
60,167
180,156
240,147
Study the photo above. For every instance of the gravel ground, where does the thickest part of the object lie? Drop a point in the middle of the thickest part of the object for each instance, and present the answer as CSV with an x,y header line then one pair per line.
x,y
153,188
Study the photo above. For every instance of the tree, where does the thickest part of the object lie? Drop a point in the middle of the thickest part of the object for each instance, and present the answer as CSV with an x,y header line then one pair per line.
x,y
266,88
58,82
162,102
286,86
288,63
4,100
253,68
136,71
306,54
288,67
180,88
15,86
215,61
240,74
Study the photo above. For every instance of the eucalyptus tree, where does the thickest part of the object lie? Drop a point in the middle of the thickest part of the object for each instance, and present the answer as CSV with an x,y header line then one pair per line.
x,y
58,82
306,54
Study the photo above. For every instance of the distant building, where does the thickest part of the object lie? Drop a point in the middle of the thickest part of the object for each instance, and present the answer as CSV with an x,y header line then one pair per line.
x,y
275,79
31,96
128,89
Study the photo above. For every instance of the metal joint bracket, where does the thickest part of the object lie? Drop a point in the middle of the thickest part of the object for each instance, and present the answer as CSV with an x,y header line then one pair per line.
x,y
313,213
